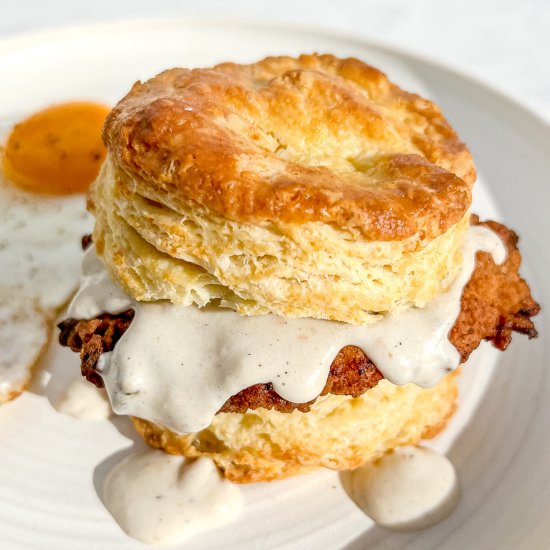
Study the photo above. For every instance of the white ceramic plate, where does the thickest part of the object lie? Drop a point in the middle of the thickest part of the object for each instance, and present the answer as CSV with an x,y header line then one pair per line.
x,y
51,465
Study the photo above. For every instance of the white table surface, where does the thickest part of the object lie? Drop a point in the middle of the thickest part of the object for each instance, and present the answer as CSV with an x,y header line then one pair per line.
x,y
505,43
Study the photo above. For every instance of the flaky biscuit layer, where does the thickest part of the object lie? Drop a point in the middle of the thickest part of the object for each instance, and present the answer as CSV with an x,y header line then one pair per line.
x,y
307,187
296,270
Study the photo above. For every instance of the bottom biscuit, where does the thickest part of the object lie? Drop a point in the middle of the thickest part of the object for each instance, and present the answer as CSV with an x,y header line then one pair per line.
x,y
339,432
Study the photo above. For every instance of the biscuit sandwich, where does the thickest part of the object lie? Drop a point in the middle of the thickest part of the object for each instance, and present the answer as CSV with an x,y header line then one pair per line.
x,y
285,272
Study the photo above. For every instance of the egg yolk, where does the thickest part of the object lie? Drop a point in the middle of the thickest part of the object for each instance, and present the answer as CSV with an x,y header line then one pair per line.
x,y
57,151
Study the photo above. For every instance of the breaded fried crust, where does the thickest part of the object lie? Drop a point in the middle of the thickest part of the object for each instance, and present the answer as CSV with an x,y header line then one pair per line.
x,y
495,303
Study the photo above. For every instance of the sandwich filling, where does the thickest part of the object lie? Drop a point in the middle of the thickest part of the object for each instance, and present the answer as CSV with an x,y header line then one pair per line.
x,y
179,365
279,231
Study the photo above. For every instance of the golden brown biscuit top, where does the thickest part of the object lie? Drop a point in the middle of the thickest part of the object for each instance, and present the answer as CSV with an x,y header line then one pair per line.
x,y
312,139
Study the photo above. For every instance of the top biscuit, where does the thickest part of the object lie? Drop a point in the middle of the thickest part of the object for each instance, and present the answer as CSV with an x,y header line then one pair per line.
x,y
295,140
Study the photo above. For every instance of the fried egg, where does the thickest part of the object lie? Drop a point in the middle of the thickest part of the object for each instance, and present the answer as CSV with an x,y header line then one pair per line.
x,y
40,239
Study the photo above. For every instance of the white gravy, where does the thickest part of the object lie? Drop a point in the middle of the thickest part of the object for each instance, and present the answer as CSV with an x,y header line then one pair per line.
x,y
408,489
84,401
177,366
159,498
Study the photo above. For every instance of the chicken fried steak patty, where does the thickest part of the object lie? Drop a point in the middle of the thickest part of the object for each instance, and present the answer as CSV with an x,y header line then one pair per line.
x,y
495,302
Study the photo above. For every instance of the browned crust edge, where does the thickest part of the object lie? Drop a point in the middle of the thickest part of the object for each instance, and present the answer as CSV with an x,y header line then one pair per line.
x,y
182,135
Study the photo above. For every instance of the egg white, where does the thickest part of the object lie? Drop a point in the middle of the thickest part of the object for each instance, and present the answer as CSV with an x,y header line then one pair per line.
x,y
40,256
